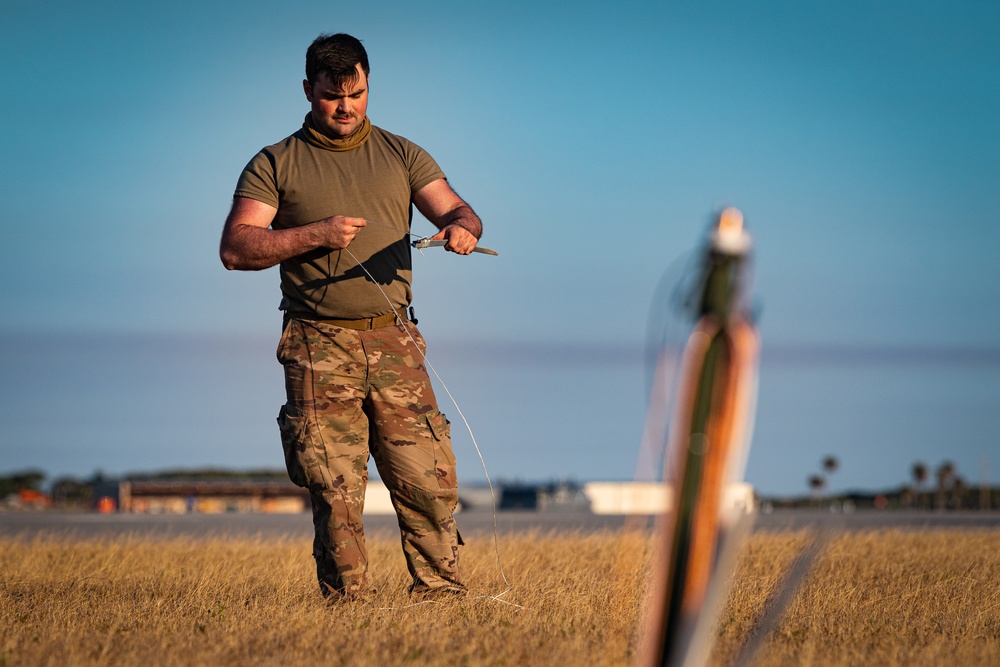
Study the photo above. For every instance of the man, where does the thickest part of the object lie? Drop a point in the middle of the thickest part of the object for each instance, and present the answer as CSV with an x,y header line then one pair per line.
x,y
332,205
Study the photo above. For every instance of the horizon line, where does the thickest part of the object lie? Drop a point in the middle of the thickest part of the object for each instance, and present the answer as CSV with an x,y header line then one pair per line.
x,y
567,352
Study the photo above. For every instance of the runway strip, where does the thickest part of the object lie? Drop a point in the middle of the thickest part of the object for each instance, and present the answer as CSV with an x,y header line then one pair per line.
x,y
85,525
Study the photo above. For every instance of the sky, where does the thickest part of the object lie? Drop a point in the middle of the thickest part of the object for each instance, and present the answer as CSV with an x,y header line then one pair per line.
x,y
859,139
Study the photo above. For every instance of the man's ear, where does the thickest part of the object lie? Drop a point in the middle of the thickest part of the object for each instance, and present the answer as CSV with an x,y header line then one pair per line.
x,y
307,89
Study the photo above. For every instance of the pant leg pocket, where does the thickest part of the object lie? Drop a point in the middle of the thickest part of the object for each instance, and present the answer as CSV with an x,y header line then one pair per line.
x,y
290,429
304,454
444,456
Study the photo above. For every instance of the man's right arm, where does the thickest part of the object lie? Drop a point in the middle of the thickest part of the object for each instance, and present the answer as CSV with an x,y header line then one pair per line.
x,y
248,243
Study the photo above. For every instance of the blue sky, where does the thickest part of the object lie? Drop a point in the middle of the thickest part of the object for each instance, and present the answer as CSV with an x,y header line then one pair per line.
x,y
860,140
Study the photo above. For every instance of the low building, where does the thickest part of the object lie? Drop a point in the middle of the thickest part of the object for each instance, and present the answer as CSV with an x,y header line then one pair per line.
x,y
272,496
280,496
26,499
655,498
208,496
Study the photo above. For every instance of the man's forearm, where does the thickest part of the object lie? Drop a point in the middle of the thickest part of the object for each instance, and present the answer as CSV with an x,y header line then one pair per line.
x,y
250,244
464,217
250,248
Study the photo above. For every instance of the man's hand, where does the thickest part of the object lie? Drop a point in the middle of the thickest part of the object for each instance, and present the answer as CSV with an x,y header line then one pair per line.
x,y
459,224
337,231
459,239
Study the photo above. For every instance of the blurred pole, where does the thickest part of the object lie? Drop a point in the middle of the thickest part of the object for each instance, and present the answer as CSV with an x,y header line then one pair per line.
x,y
706,452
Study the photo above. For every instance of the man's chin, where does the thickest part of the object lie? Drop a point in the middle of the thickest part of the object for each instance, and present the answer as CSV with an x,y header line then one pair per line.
x,y
341,130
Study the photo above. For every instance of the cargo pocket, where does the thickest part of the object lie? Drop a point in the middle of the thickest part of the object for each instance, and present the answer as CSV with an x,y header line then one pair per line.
x,y
293,442
444,457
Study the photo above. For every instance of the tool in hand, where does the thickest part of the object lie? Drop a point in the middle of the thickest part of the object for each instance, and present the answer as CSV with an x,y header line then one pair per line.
x,y
426,242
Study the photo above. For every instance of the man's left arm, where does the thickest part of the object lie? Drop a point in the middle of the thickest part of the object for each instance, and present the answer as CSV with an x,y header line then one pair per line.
x,y
459,224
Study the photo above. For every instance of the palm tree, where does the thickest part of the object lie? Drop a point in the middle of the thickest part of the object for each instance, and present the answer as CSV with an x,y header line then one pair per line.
x,y
945,474
816,484
830,464
958,491
919,472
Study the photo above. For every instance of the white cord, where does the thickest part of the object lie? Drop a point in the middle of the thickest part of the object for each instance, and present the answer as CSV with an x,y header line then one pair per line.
x,y
493,497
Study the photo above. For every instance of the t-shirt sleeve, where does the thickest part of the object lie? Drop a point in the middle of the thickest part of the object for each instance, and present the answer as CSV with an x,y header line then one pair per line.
x,y
422,167
258,180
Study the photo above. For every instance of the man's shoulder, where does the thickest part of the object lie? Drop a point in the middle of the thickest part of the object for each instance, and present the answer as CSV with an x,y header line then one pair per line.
x,y
262,171
419,164
385,134
396,141
292,140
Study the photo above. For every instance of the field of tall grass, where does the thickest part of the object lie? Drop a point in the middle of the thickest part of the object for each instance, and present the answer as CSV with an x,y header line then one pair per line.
x,y
888,598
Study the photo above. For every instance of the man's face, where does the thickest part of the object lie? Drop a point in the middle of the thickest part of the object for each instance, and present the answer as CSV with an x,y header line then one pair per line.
x,y
336,111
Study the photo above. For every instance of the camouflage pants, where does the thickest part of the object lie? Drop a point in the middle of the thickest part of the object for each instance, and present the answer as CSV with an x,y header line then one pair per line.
x,y
354,393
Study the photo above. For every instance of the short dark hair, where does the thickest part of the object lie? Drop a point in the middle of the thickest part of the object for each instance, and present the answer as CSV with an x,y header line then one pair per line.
x,y
337,55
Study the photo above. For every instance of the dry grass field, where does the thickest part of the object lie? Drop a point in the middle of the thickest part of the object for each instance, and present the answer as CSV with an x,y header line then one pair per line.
x,y
887,598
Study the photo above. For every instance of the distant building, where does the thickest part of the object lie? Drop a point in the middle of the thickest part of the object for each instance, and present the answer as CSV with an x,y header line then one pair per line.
x,y
26,499
207,496
215,496
654,497
519,497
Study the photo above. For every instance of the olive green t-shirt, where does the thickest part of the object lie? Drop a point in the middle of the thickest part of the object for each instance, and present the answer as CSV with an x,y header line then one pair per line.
x,y
375,181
